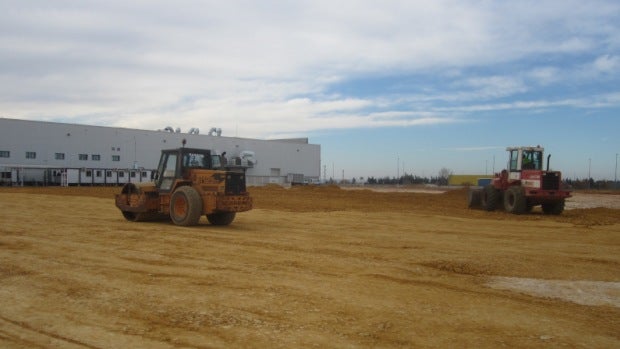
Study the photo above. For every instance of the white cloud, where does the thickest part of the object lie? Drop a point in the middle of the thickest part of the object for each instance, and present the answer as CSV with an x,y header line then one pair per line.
x,y
479,148
545,75
605,100
265,68
495,86
607,64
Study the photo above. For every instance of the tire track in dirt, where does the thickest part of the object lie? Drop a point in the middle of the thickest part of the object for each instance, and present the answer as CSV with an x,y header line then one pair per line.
x,y
38,337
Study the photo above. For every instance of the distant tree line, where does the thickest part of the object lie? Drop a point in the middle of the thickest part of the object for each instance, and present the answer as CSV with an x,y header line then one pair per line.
x,y
408,179
585,183
442,179
444,175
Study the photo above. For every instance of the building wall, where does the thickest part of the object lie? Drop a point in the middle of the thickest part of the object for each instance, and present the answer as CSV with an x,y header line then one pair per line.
x,y
466,179
121,148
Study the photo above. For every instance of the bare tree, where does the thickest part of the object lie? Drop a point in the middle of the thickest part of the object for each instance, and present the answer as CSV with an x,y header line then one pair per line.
x,y
444,174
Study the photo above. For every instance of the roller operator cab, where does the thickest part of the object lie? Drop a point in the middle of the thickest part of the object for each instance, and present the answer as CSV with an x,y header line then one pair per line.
x,y
188,183
523,185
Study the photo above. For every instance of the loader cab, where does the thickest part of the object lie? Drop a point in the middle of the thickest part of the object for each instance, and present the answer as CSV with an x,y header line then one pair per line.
x,y
175,164
525,158
216,161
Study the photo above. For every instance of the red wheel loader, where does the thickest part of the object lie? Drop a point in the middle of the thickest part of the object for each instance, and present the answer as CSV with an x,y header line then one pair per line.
x,y
523,185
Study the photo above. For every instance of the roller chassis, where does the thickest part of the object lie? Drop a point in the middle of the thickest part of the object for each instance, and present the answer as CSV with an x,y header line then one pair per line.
x,y
188,186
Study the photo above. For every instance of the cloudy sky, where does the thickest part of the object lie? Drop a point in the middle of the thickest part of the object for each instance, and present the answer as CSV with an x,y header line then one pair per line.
x,y
382,86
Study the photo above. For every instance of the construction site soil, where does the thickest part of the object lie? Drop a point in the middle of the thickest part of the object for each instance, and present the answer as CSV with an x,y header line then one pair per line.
x,y
311,266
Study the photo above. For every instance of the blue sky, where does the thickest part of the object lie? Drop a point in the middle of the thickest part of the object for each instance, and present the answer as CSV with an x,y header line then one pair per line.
x,y
382,86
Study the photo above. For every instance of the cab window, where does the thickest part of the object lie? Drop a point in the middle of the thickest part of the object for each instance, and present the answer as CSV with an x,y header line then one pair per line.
x,y
168,171
195,160
514,157
532,160
215,160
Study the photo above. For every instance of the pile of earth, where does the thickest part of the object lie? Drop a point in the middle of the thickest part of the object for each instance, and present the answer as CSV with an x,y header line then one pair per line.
x,y
329,198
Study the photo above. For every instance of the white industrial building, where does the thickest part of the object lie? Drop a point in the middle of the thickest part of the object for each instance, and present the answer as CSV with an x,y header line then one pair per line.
x,y
49,153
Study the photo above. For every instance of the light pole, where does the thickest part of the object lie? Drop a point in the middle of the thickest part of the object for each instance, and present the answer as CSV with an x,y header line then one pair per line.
x,y
616,174
589,170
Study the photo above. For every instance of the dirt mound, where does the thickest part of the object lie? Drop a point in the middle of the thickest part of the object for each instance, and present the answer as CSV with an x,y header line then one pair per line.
x,y
591,216
451,202
331,198
103,192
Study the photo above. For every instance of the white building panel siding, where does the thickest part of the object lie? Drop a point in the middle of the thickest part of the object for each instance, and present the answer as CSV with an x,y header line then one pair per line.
x,y
88,148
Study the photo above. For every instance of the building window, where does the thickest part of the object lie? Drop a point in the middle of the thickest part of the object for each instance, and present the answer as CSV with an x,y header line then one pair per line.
x,y
133,174
59,156
121,174
5,154
95,157
89,173
31,155
108,173
116,158
5,175
83,156
143,174
98,173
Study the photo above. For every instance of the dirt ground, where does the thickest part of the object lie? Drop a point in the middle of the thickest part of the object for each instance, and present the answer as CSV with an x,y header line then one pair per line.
x,y
308,267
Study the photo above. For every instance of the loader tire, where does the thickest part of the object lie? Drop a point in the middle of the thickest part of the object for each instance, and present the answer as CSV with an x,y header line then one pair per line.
x,y
221,218
185,206
489,198
473,197
555,208
514,200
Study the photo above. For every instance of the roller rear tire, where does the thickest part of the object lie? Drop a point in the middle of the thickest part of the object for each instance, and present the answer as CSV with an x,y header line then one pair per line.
x,y
144,216
131,216
221,218
185,206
